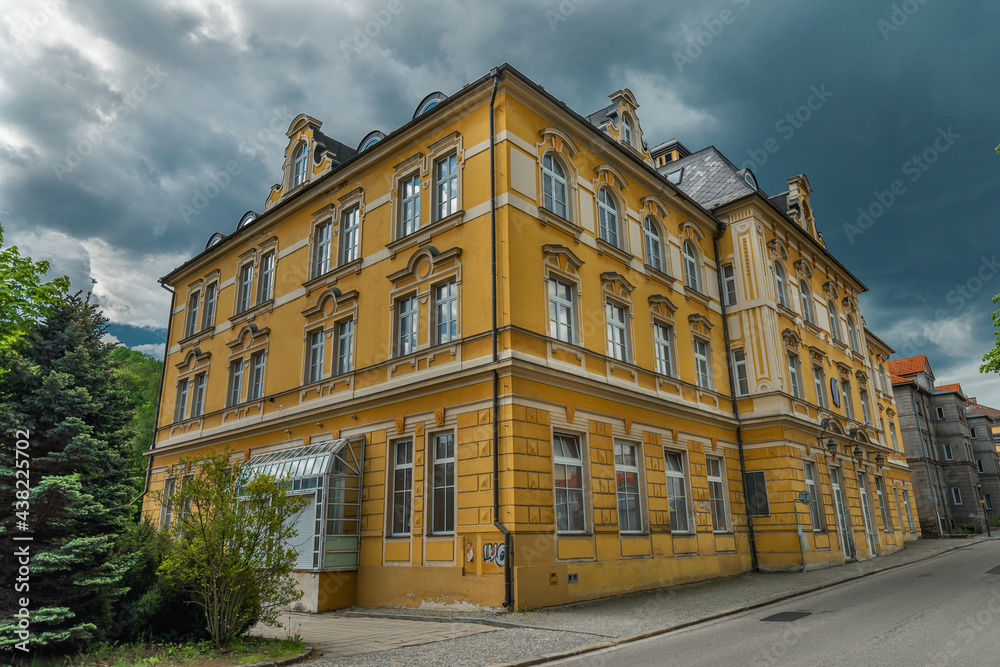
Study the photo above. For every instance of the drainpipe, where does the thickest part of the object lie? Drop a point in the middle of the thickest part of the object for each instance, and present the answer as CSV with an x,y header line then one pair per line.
x,y
923,445
508,537
156,423
732,393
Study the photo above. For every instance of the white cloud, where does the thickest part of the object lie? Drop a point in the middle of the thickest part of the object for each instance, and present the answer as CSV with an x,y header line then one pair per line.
x,y
155,350
662,110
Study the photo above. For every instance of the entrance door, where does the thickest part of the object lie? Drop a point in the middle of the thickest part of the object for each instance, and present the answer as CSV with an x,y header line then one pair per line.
x,y
866,512
843,518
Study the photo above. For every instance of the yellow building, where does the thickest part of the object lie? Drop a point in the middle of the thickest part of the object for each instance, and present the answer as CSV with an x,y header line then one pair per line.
x,y
490,346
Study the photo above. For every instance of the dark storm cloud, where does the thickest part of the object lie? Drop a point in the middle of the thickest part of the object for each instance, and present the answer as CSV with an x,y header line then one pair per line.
x,y
739,74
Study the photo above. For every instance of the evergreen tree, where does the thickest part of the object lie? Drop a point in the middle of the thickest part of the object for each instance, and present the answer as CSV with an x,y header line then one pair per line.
x,y
58,385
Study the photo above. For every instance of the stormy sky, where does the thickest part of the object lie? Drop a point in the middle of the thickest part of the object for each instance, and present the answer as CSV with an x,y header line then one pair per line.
x,y
117,117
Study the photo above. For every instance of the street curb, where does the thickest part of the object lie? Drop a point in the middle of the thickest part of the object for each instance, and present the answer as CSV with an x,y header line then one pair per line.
x,y
590,648
284,661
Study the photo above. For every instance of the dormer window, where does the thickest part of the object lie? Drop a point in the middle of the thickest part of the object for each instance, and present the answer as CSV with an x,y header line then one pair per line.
x,y
299,166
627,130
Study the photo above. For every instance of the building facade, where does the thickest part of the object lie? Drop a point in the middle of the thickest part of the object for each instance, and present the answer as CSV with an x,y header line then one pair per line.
x,y
514,361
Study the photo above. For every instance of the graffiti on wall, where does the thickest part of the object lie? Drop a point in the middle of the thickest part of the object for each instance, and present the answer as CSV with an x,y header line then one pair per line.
x,y
495,553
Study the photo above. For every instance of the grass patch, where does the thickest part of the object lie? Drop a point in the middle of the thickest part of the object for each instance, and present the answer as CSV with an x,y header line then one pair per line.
x,y
241,651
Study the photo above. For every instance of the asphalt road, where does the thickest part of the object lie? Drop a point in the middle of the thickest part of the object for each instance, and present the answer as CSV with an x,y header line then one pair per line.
x,y
942,611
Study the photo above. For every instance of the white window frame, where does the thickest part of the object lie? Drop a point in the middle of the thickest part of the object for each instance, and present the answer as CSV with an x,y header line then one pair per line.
x,y
717,493
409,205
407,325
299,165
446,312
191,325
865,407
663,348
616,317
167,501
622,470
445,484
234,390
677,481
446,186
794,376
208,310
883,508
810,469
740,371
198,399
956,495
345,346
819,379
729,284
979,466
559,304
653,241
831,309
244,288
559,459
909,514
555,186
703,376
322,244
317,352
180,408
350,235
846,398
607,213
627,131
258,371
401,520
852,333
265,279
949,454
892,433
805,296
692,274
780,284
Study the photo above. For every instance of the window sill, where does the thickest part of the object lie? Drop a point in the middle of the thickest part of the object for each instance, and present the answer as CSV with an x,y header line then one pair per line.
x,y
692,293
812,328
660,276
787,312
547,217
424,234
614,251
331,277
251,313
196,338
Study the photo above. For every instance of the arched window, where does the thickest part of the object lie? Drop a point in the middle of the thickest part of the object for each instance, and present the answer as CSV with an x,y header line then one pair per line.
x,y
654,244
852,333
627,130
299,166
691,266
608,211
831,308
779,284
554,186
806,297
881,385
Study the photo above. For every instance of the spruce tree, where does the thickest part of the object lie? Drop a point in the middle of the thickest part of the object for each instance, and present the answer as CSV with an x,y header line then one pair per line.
x,y
58,386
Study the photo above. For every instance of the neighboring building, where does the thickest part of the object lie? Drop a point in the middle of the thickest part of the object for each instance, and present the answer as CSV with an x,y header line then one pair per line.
x,y
563,427
984,432
939,447
976,407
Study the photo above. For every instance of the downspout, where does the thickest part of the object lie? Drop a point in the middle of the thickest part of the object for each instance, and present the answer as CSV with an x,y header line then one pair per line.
x,y
732,393
156,423
508,538
923,445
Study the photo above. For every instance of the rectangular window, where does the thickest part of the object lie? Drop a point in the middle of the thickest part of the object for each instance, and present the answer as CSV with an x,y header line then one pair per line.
x,y
402,487
756,494
446,186
815,506
617,333
562,318
906,506
182,400
317,347
794,384
192,315
989,501
406,327
663,340
729,281
883,507
345,347
940,413
167,501
948,453
235,382
819,379
740,368
208,317
350,236
409,205
956,495
256,389
717,493
677,501
443,508
892,432
446,312
865,409
627,481
701,364
244,290
568,462
848,401
972,433
265,283
979,466
198,406
321,249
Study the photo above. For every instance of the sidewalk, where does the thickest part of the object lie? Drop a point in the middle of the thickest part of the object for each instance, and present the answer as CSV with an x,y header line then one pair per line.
x,y
524,637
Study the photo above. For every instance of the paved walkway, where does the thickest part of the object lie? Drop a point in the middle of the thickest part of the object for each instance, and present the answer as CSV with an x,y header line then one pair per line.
x,y
524,637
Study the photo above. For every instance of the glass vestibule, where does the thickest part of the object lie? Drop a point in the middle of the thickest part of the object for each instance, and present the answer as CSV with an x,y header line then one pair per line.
x,y
330,474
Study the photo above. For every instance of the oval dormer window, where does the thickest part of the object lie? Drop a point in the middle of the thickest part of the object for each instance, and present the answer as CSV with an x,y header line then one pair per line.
x,y
429,103
247,218
213,240
749,178
370,140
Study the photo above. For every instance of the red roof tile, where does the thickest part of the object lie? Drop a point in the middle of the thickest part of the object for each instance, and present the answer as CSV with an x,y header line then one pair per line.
x,y
949,387
908,366
980,409
896,379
